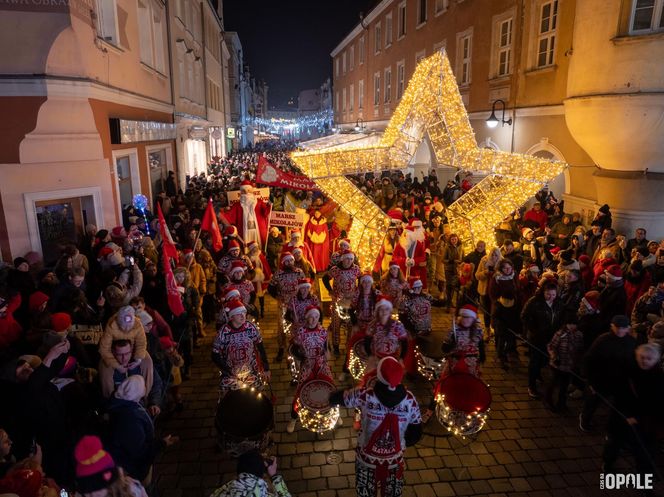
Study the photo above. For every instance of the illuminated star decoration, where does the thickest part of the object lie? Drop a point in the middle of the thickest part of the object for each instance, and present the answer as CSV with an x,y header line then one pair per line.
x,y
431,104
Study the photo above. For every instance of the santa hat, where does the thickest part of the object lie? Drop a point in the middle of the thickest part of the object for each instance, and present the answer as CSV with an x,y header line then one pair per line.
x,y
287,256
584,259
167,342
231,293
304,283
118,232
233,244
246,185
235,307
366,276
417,283
104,252
394,264
347,254
415,223
95,468
36,300
396,216
237,266
389,372
525,232
344,244
555,250
230,231
534,268
591,300
383,301
132,388
614,273
60,321
468,311
295,232
252,245
312,309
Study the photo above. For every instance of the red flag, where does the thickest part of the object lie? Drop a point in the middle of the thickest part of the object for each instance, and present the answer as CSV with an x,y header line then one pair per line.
x,y
210,223
169,251
167,243
269,174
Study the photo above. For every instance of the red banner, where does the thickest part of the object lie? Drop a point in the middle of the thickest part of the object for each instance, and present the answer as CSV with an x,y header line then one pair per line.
x,y
269,174
209,223
168,252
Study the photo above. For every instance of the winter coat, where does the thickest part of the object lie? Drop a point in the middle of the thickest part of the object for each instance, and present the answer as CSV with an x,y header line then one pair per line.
x,y
484,274
612,301
136,335
248,485
609,361
635,286
541,320
10,329
198,278
119,293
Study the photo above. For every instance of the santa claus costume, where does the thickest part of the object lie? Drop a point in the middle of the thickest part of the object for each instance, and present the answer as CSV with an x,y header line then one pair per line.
x,y
300,302
283,287
317,239
344,293
236,350
261,274
310,345
411,252
250,215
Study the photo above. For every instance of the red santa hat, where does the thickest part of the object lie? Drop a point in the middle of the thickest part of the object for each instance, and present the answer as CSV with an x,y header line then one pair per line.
x,y
233,244
394,264
389,372
310,310
366,276
231,293
344,244
230,230
295,232
252,245
415,223
614,273
235,307
246,185
591,300
297,250
118,232
468,311
237,266
396,216
533,268
417,283
555,250
287,256
347,254
304,283
104,252
585,260
383,301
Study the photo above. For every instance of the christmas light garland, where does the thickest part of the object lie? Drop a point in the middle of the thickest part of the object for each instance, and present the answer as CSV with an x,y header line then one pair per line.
x,y
459,423
317,421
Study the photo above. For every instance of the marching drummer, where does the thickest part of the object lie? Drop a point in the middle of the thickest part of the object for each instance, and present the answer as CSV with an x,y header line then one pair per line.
x,y
235,346
393,284
390,420
387,335
300,302
239,281
310,341
229,294
417,310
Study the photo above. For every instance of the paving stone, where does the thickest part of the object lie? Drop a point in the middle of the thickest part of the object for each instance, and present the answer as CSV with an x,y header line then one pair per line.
x,y
311,472
337,482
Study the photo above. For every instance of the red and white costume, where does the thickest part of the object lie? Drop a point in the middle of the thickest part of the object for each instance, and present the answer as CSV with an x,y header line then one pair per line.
x,y
344,291
387,339
298,305
312,344
411,252
245,288
250,215
285,283
317,239
393,287
237,348
296,242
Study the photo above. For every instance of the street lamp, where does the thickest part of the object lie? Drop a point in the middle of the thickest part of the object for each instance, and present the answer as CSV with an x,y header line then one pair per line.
x,y
359,125
493,121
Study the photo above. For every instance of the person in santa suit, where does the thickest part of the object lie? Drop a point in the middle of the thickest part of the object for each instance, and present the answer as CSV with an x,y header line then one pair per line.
x,y
283,287
250,215
226,262
390,422
261,274
300,302
245,287
296,242
236,348
303,264
317,239
393,284
411,252
310,344
344,292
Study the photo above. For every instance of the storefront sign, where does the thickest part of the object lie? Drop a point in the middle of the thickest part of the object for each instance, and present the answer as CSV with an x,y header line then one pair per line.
x,y
230,133
126,131
197,133
262,193
287,219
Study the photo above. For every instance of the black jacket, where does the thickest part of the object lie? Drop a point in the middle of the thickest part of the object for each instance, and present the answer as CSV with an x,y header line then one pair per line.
x,y
609,362
540,320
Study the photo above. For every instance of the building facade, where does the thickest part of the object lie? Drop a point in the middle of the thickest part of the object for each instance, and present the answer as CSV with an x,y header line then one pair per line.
x,y
561,75
88,117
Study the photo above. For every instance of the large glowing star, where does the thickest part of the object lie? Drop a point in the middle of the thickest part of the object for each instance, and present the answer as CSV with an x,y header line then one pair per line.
x,y
431,104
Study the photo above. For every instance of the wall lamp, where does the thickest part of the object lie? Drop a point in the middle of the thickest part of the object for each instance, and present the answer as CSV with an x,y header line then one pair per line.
x,y
493,121
359,125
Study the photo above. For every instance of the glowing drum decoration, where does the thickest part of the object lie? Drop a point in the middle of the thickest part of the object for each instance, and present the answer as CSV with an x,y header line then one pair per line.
x,y
462,403
430,359
313,406
294,363
357,360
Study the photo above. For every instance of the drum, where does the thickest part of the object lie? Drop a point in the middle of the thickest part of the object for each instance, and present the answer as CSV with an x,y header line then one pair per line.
x,y
244,421
313,406
430,359
294,363
357,360
462,403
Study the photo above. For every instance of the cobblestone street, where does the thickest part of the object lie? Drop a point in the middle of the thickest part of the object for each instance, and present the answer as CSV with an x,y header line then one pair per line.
x,y
525,450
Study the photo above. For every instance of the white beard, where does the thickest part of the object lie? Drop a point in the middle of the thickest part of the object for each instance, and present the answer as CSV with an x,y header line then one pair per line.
x,y
409,238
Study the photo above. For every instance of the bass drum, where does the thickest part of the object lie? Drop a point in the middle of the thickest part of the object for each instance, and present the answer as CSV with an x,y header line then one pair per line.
x,y
244,421
462,403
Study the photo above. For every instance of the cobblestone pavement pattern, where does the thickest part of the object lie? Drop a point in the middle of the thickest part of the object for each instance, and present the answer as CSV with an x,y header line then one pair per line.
x,y
524,450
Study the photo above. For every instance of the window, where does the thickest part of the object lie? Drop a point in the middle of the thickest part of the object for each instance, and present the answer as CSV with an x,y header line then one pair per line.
x,y
144,35
343,100
151,35
343,63
419,56
360,94
336,67
503,47
440,6
107,21
388,30
360,49
213,95
401,20
464,53
351,97
547,33
421,12
351,58
377,38
388,84
401,77
376,88
647,16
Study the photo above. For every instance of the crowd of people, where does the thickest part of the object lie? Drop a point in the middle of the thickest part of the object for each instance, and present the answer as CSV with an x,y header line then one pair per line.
x,y
92,355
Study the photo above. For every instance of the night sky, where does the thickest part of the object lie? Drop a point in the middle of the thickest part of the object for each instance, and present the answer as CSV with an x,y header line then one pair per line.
x,y
287,43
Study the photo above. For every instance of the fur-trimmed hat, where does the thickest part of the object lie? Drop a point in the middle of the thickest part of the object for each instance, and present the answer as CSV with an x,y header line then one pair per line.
x,y
389,372
235,307
614,273
304,283
312,309
468,311
383,301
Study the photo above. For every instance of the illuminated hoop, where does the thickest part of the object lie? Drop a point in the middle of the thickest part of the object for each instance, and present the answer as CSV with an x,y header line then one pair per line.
x,y
313,406
428,367
462,403
357,360
294,364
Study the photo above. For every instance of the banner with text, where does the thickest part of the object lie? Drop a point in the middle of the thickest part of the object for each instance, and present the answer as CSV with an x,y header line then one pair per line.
x,y
269,174
262,193
288,220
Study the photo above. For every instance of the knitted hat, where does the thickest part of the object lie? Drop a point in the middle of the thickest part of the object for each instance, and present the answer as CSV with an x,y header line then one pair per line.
x,y
347,254
251,462
304,283
36,300
389,372
312,309
132,388
383,301
620,321
95,468
231,293
468,311
145,318
60,321
614,273
584,259
237,266
591,300
126,314
167,342
233,244
416,284
235,307
286,257
366,277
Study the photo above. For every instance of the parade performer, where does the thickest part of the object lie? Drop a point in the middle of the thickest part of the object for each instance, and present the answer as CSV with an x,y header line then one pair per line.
x,y
384,259
417,310
310,341
317,239
261,274
300,302
236,346
365,303
300,262
343,244
344,292
250,215
386,335
390,420
283,287
296,242
393,284
411,252
245,287
229,294
226,262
